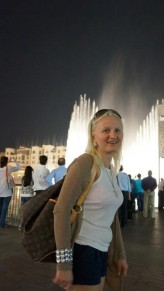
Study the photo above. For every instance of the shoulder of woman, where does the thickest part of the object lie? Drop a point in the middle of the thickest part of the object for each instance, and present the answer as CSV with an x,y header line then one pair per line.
x,y
83,161
86,158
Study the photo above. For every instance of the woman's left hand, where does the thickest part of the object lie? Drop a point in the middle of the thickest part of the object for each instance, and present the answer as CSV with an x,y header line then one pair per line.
x,y
122,268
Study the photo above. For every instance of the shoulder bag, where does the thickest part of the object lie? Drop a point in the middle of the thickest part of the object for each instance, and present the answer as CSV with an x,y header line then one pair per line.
x,y
38,222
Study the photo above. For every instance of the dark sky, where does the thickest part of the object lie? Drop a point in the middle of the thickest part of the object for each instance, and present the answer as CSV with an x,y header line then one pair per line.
x,y
51,52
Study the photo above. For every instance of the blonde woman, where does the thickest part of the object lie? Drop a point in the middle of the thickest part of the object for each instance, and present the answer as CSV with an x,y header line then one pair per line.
x,y
83,257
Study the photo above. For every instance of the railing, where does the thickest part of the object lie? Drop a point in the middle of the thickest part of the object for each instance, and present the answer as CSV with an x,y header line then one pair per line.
x,y
14,212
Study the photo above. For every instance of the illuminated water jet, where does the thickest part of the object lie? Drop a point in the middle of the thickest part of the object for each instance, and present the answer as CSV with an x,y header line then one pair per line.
x,y
77,132
146,153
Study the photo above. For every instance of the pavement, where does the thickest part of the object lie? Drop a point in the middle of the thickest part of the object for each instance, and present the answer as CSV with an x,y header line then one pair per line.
x,y
144,241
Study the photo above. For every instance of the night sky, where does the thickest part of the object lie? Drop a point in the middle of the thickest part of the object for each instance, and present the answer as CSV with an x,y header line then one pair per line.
x,y
51,52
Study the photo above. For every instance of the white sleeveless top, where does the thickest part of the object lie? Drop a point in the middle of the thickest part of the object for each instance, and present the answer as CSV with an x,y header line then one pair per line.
x,y
99,209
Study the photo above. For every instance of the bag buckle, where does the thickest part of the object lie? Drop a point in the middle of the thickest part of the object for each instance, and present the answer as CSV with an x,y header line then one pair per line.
x,y
77,209
53,200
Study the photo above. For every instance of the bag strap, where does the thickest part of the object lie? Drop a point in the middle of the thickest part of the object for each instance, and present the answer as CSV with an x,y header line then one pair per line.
x,y
78,208
7,177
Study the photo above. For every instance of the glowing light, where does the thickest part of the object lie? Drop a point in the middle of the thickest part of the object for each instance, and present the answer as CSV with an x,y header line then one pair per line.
x,y
77,133
144,152
138,157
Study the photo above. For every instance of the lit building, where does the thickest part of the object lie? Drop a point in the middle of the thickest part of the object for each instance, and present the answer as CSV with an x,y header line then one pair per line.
x,y
30,156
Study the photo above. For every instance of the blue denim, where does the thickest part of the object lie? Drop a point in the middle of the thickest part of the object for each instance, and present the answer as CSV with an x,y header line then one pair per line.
x,y
140,199
4,204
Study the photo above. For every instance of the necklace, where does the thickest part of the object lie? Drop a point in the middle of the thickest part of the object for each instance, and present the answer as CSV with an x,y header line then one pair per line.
x,y
110,176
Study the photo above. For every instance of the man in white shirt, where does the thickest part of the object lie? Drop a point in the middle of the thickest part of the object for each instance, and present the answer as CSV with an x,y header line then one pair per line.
x,y
40,174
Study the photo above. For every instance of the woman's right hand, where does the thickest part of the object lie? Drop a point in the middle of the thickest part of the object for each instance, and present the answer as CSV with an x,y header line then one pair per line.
x,y
64,279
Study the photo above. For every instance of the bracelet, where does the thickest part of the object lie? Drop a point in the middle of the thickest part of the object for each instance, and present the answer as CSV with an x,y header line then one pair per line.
x,y
64,255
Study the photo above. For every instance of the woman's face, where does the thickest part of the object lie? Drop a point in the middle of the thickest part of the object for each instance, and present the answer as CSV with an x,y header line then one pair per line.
x,y
108,134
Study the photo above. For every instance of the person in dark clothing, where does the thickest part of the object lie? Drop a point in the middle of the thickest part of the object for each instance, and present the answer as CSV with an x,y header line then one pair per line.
x,y
149,184
133,193
161,195
124,184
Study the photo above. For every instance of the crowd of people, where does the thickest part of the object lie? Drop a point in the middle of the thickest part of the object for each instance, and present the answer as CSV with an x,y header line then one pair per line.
x,y
83,259
33,182
39,179
139,195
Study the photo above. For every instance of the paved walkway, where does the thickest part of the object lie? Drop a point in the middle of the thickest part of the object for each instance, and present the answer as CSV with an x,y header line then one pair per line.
x,y
144,242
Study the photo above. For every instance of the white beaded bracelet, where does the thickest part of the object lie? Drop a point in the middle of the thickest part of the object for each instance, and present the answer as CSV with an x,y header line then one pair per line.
x,y
64,255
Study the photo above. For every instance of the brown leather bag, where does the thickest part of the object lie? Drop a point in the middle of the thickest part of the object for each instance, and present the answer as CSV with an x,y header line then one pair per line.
x,y
38,222
38,225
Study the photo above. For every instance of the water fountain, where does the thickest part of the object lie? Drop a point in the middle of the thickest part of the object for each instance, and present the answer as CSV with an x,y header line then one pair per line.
x,y
140,156
146,153
77,132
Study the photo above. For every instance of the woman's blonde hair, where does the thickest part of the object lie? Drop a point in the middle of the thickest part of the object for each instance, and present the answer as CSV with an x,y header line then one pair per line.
x,y
91,148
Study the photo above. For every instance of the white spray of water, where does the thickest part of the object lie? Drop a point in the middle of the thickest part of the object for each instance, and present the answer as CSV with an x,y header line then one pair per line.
x,y
147,151
77,133
138,156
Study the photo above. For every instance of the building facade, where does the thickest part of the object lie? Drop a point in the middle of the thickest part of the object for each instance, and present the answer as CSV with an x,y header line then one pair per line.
x,y
29,156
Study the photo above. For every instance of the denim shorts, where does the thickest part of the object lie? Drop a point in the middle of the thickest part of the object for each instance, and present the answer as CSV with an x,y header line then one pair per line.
x,y
89,265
